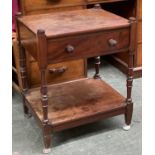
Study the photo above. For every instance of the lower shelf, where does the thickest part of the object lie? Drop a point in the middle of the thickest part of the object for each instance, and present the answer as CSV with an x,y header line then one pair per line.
x,y
77,101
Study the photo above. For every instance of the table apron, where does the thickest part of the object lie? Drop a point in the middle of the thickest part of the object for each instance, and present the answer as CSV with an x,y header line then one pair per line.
x,y
90,45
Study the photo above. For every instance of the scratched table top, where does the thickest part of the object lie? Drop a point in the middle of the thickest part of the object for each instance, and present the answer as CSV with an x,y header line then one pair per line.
x,y
71,22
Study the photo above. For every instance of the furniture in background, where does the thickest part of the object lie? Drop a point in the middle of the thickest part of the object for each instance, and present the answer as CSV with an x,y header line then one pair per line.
x,y
83,34
126,9
71,70
59,72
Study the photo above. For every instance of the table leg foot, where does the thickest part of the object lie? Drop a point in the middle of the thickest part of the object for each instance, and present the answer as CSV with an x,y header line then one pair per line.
x,y
46,151
29,115
97,76
126,127
47,138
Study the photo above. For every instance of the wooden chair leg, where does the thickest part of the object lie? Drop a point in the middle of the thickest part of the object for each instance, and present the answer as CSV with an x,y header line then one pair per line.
x,y
47,138
97,68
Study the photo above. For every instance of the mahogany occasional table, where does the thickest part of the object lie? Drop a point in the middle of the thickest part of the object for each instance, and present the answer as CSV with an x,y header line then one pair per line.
x,y
58,37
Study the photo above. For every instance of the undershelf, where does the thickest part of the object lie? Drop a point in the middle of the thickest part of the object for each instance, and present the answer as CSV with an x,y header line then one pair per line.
x,y
77,100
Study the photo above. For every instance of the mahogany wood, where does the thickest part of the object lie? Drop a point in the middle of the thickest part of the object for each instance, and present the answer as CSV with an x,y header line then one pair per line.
x,y
73,22
127,9
30,7
97,59
139,9
60,72
139,55
42,62
23,71
37,7
139,32
74,103
124,8
56,52
129,109
76,100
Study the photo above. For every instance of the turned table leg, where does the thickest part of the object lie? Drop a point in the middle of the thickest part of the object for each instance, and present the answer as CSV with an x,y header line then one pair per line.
x,y
97,68
46,127
97,59
42,54
129,107
47,138
23,71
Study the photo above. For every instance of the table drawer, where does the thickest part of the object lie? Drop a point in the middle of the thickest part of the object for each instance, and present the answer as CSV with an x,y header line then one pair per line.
x,y
87,45
44,6
56,73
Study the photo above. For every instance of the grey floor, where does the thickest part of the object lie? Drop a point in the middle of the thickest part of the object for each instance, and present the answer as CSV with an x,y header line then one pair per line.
x,y
101,138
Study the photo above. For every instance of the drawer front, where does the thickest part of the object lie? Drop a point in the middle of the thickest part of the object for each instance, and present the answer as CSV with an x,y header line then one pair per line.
x,y
87,45
56,73
44,6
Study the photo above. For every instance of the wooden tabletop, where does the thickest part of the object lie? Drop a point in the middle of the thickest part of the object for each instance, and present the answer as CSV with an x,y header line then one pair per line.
x,y
72,22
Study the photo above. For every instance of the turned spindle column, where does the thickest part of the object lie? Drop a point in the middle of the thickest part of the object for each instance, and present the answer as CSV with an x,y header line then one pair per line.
x,y
97,59
97,6
42,55
97,68
129,109
23,71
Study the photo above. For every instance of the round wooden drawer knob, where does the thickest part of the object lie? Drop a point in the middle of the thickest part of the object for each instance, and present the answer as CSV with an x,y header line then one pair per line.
x,y
112,42
70,49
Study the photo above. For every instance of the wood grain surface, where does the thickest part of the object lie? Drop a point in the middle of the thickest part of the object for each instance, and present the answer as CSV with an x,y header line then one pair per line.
x,y
69,36
88,45
76,99
73,22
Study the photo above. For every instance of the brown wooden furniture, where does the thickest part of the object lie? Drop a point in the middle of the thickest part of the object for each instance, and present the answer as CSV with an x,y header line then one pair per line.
x,y
126,9
81,34
16,80
59,72
77,68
